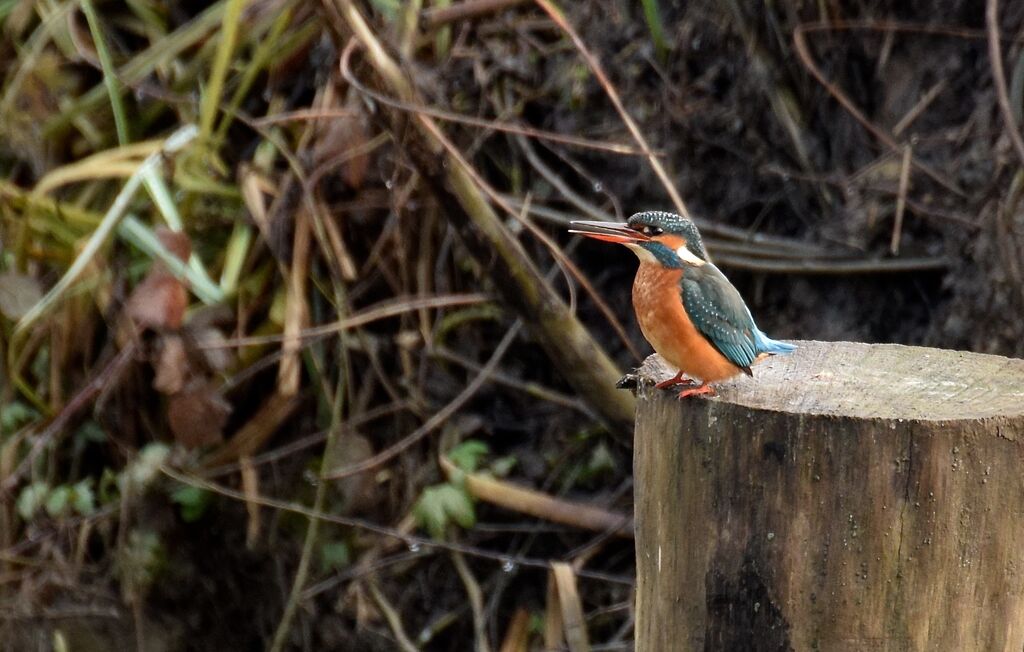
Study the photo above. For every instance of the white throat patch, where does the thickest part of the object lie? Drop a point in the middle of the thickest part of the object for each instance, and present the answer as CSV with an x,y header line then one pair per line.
x,y
641,253
687,257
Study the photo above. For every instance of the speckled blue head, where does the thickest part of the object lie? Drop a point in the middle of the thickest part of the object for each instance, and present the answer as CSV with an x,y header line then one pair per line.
x,y
668,232
656,237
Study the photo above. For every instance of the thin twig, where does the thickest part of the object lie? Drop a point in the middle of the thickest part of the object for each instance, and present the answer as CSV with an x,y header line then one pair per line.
x,y
613,95
439,417
804,53
505,127
104,378
394,619
476,601
564,262
999,78
382,530
313,528
460,189
919,108
534,390
383,310
901,202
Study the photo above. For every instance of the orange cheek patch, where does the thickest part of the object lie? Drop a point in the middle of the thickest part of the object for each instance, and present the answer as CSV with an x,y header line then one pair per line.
x,y
671,241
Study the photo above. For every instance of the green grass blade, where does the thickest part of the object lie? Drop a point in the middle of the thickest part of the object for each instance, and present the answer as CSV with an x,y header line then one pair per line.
x,y
175,142
109,75
202,284
653,16
140,67
137,233
221,62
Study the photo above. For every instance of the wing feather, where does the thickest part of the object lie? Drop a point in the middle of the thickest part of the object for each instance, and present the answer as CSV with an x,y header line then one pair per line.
x,y
717,311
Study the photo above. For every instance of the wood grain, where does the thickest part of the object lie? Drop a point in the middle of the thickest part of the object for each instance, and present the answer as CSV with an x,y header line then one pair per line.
x,y
848,497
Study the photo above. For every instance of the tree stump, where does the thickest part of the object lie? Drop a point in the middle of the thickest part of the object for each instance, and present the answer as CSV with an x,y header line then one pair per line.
x,y
848,497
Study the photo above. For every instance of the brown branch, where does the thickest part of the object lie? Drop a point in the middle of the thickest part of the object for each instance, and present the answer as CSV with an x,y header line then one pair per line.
x,y
535,503
457,188
520,262
436,419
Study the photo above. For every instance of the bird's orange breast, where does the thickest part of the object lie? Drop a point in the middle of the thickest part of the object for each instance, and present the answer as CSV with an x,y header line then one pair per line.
x,y
665,324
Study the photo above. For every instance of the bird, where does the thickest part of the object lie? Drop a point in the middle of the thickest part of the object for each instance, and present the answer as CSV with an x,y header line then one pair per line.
x,y
686,307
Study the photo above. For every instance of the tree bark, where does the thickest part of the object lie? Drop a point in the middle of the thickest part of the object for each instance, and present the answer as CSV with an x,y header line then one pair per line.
x,y
848,497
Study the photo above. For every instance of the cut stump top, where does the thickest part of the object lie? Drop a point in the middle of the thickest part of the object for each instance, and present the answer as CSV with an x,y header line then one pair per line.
x,y
872,381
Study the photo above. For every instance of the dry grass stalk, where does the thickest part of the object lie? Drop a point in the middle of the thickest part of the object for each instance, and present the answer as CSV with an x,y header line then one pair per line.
x,y
565,621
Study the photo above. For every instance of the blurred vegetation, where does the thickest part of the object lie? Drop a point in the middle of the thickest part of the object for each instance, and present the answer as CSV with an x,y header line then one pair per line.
x,y
297,355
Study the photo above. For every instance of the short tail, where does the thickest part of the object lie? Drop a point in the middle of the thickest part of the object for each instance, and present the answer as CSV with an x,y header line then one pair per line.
x,y
766,344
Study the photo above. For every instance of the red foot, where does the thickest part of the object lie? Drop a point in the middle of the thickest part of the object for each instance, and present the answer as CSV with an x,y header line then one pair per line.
x,y
703,388
675,380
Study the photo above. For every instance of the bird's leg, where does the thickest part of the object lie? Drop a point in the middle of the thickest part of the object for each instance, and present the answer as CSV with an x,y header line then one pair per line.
x,y
675,380
703,388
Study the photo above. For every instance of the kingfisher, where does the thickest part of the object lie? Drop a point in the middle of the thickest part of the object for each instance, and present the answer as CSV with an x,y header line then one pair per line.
x,y
687,309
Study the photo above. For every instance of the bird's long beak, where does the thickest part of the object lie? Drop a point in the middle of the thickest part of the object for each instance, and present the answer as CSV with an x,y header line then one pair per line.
x,y
617,232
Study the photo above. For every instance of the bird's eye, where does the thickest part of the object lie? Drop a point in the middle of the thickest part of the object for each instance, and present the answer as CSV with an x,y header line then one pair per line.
x,y
652,230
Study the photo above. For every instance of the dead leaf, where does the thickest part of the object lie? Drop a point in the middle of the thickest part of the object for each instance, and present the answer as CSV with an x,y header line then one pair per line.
x,y
565,611
356,490
197,414
342,145
172,368
177,242
251,488
160,300
517,637
18,293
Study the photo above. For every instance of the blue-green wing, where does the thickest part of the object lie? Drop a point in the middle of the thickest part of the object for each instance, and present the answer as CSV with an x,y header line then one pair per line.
x,y
717,310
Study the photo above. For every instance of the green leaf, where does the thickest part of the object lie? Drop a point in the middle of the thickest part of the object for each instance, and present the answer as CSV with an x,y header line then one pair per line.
x,y
459,506
83,500
429,513
57,501
109,487
334,555
387,7
89,432
15,414
601,460
502,466
467,455
193,502
31,499
147,464
653,16
443,504
140,562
